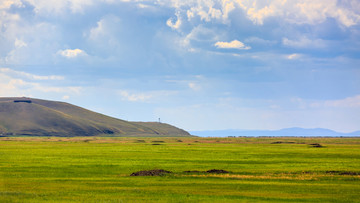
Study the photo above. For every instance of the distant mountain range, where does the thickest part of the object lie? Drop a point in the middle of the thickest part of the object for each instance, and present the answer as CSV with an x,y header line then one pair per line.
x,y
295,132
36,117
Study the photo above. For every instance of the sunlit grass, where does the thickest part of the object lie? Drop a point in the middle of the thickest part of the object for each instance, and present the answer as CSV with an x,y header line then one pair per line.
x,y
94,169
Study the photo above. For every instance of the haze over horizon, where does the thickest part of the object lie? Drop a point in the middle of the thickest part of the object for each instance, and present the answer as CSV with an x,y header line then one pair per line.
x,y
198,65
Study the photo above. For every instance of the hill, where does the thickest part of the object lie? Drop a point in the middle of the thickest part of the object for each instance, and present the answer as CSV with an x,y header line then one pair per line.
x,y
36,117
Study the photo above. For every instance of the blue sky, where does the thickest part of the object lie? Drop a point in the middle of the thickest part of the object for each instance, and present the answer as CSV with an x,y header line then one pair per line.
x,y
196,64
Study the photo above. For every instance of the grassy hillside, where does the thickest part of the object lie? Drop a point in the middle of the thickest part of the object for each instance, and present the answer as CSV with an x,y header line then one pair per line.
x,y
49,118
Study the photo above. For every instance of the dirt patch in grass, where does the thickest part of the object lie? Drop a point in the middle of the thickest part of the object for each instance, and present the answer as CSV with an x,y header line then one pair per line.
x,y
158,141
193,172
213,171
316,145
217,171
350,173
281,142
155,172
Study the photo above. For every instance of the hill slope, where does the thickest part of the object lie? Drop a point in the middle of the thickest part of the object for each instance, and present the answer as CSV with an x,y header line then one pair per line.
x,y
36,117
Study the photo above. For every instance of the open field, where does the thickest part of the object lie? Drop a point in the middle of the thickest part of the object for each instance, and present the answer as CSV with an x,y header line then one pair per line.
x,y
97,169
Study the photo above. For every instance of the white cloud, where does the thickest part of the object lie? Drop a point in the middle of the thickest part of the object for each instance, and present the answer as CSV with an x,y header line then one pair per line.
x,y
316,11
71,53
293,56
149,96
200,34
29,42
143,6
19,43
206,10
174,25
77,6
235,44
5,4
46,7
66,97
134,97
29,76
104,37
349,102
304,42
97,31
347,12
301,11
352,102
14,85
260,41
194,86
258,15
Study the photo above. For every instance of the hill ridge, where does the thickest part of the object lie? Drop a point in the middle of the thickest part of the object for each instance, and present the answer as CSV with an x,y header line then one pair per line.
x,y
37,117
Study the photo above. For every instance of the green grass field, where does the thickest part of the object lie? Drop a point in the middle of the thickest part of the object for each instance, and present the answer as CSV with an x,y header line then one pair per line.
x,y
97,169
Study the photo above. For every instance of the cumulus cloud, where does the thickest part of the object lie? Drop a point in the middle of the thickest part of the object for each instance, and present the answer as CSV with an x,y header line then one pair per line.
x,y
71,53
316,11
235,44
105,37
5,4
295,11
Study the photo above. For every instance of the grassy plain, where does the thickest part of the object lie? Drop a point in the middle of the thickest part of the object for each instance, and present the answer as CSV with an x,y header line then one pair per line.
x,y
97,169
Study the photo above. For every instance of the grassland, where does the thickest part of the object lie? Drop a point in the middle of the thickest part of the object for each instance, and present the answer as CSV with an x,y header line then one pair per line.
x,y
97,169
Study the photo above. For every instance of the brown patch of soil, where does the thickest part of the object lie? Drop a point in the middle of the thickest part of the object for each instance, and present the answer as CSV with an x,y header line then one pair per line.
x,y
157,141
316,145
155,172
351,173
192,171
217,171
280,142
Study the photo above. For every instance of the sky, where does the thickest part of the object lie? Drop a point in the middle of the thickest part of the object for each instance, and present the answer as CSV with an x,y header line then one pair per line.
x,y
195,64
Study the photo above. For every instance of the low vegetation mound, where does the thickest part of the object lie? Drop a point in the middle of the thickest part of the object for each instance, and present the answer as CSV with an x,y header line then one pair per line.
x,y
155,172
